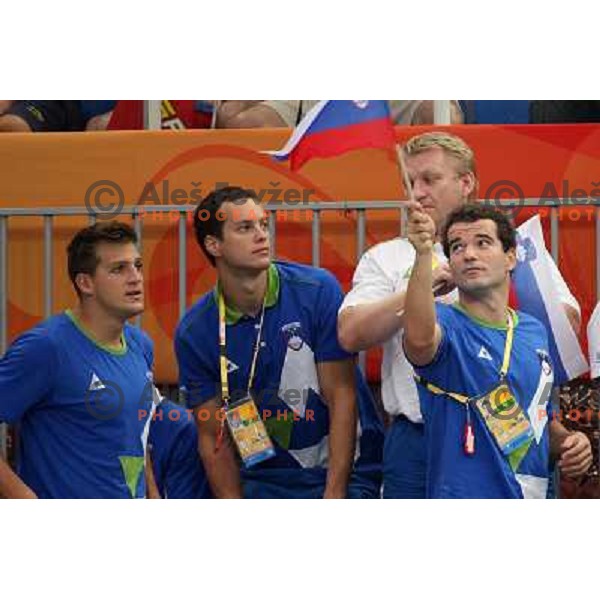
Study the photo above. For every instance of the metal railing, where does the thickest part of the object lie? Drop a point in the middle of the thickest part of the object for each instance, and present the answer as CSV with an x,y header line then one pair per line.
x,y
315,209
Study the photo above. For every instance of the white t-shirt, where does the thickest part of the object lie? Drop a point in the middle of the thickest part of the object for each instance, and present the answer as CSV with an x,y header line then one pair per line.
x,y
383,270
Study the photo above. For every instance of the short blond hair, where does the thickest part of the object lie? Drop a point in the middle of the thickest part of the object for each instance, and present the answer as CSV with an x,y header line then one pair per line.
x,y
451,145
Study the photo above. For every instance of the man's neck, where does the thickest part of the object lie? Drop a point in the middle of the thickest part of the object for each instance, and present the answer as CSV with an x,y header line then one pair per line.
x,y
244,291
491,308
105,329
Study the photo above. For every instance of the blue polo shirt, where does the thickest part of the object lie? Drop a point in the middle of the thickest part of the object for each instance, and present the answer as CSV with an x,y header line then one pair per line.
x,y
82,410
468,362
299,331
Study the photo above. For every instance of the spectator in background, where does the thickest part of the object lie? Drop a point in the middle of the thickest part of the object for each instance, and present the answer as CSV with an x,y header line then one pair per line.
x,y
564,111
241,114
25,116
174,114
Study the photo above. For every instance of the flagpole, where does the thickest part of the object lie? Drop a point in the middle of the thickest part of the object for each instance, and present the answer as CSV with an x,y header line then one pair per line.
x,y
407,186
403,172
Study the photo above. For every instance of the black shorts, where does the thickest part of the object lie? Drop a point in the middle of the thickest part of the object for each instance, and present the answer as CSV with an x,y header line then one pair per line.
x,y
49,115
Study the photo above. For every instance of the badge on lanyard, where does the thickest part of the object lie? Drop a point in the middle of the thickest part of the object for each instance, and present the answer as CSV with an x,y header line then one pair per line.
x,y
504,418
249,432
243,419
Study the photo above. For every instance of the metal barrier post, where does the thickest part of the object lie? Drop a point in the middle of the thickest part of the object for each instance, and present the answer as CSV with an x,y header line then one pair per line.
x,y
316,237
554,233
272,232
182,264
3,282
48,266
3,309
137,225
360,248
597,211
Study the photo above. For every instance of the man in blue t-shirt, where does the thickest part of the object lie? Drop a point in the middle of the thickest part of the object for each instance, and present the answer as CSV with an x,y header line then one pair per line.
x,y
173,452
79,385
268,332
484,370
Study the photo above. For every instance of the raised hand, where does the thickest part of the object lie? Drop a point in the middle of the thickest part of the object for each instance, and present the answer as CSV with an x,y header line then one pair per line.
x,y
421,228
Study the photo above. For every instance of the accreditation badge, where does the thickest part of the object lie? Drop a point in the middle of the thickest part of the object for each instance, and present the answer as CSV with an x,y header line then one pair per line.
x,y
249,432
504,418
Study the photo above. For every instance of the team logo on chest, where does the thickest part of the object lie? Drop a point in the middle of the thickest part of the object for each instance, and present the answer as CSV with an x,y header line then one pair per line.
x,y
96,383
293,335
545,361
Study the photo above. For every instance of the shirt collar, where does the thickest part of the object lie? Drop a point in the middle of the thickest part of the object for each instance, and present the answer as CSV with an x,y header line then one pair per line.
x,y
483,322
233,315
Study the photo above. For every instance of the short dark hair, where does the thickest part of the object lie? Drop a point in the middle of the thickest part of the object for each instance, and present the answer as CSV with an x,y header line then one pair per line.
x,y
469,213
206,215
81,252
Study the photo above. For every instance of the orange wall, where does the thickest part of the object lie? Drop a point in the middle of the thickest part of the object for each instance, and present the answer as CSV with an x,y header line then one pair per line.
x,y
44,170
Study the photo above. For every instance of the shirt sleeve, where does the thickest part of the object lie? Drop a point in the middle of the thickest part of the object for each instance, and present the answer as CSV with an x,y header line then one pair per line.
x,y
444,351
27,374
146,346
149,351
327,347
369,284
198,379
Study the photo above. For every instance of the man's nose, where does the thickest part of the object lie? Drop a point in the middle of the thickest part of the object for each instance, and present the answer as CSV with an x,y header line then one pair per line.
x,y
135,274
420,189
470,252
261,232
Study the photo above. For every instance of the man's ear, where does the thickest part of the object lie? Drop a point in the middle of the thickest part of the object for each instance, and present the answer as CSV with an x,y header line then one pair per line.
x,y
85,284
511,257
468,183
212,245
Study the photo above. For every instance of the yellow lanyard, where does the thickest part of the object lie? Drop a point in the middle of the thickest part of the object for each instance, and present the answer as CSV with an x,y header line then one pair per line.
x,y
223,351
434,389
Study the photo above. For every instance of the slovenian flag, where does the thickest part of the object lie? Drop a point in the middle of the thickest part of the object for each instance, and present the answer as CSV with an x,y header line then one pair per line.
x,y
593,335
333,127
532,292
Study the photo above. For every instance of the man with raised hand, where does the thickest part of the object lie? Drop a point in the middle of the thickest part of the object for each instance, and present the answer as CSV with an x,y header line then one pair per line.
x,y
483,369
443,176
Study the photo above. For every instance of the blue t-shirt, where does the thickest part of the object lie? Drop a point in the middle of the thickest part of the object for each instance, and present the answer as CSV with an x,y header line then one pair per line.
x,y
82,410
299,331
173,445
468,362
